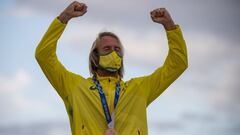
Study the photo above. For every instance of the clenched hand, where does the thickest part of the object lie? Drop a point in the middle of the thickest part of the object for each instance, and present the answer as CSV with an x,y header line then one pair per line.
x,y
75,9
162,16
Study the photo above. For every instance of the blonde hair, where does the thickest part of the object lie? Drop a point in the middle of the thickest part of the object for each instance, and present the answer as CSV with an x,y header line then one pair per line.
x,y
94,55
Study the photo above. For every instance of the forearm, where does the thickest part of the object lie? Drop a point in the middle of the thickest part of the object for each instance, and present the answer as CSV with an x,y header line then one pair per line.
x,y
47,46
170,25
60,78
47,58
177,48
64,18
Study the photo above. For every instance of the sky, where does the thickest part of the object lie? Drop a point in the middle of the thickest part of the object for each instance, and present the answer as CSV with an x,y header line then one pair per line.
x,y
204,100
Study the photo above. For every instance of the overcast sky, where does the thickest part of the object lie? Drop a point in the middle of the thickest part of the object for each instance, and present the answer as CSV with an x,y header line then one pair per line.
x,y
204,100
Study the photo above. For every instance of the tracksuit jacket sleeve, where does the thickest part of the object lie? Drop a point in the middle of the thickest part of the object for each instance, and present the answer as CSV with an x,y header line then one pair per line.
x,y
46,57
174,65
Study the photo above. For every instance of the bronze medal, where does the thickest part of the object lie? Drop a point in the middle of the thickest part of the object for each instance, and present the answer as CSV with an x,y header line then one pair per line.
x,y
110,131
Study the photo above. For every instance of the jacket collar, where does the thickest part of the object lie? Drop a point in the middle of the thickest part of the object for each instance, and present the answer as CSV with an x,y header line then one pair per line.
x,y
108,78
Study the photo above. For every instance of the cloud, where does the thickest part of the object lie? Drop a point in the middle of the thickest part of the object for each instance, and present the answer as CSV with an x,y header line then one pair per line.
x,y
202,22
217,16
13,87
206,97
167,126
12,98
16,99
152,44
43,128
227,98
215,65
206,94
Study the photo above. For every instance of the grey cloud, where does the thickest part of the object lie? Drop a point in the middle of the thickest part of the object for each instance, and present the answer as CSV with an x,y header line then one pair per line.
x,y
214,17
38,128
167,126
213,71
219,17
227,95
235,130
197,116
197,123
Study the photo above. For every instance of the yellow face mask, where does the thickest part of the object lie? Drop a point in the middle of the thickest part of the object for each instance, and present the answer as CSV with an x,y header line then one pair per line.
x,y
111,62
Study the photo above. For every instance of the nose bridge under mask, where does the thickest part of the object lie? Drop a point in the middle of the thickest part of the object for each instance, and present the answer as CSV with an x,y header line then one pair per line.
x,y
112,51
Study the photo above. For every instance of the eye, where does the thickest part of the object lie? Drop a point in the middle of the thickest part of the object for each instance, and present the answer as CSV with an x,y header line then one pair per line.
x,y
107,48
117,49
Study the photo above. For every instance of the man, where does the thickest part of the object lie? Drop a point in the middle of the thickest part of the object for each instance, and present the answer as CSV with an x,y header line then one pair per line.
x,y
104,103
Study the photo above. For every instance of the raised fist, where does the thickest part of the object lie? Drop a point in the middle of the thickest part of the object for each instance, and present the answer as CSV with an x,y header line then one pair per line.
x,y
162,16
75,9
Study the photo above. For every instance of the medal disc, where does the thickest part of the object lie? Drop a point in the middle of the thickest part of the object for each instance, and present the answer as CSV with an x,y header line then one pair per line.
x,y
110,131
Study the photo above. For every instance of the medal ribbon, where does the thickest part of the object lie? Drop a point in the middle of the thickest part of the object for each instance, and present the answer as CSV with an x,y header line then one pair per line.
x,y
109,118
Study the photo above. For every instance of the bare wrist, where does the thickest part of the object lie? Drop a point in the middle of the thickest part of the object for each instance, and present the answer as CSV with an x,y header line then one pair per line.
x,y
170,26
64,18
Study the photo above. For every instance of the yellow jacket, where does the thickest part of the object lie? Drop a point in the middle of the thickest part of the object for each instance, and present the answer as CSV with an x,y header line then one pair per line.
x,y
82,100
